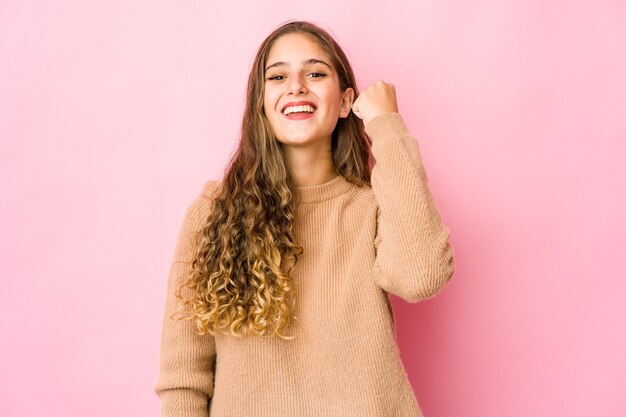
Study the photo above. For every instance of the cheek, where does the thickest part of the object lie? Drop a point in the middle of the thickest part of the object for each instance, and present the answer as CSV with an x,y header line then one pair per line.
x,y
269,103
266,95
334,100
333,106
265,103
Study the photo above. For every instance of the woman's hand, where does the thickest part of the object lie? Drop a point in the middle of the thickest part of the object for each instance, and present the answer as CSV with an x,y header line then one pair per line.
x,y
378,98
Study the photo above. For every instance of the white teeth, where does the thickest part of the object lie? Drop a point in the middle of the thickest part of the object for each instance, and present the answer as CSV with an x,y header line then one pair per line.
x,y
298,109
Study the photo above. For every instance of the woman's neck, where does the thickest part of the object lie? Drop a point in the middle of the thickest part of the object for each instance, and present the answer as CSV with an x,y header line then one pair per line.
x,y
309,167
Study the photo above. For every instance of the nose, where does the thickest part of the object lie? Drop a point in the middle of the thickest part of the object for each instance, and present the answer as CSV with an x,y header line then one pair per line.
x,y
296,85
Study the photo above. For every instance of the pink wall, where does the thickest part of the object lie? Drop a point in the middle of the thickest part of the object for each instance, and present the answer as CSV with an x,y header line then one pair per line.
x,y
113,114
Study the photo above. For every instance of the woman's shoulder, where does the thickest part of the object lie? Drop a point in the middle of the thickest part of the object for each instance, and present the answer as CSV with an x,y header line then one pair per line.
x,y
199,208
210,187
361,197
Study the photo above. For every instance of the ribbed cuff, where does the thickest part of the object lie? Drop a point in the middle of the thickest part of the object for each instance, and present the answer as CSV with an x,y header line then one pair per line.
x,y
183,403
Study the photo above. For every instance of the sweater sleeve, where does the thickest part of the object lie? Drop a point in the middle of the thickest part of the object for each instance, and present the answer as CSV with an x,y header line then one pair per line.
x,y
187,363
414,259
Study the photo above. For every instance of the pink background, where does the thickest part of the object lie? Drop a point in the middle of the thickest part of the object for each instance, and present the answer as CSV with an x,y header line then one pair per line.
x,y
114,113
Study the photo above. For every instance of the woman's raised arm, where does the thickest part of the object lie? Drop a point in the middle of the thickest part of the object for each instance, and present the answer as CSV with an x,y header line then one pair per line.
x,y
414,259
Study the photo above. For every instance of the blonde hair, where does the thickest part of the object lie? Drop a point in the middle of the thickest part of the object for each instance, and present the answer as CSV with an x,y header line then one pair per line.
x,y
237,281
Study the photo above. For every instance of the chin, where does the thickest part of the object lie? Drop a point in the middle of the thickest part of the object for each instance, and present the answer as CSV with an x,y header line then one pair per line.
x,y
295,139
295,142
303,138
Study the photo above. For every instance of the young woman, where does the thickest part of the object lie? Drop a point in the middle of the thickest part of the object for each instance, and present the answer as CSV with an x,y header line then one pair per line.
x,y
283,269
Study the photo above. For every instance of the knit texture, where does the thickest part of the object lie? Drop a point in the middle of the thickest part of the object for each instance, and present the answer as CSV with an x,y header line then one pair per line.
x,y
360,243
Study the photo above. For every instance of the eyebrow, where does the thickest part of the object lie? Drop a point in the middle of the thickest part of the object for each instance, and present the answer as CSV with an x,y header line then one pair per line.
x,y
307,62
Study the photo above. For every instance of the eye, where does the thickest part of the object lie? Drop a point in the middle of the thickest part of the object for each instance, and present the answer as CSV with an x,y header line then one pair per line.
x,y
318,74
275,77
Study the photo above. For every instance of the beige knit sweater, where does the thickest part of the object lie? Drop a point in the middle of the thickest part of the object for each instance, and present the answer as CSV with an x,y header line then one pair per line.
x,y
359,244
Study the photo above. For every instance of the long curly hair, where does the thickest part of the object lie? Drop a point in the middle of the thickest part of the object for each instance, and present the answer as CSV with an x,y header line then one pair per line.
x,y
240,279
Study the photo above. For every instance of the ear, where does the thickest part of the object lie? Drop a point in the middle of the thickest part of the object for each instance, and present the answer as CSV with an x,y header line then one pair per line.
x,y
346,102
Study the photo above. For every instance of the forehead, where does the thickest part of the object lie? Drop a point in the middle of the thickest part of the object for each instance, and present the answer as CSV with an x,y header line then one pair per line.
x,y
294,48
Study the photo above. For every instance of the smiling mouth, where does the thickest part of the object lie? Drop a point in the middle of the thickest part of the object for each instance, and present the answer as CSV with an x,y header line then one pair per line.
x,y
303,109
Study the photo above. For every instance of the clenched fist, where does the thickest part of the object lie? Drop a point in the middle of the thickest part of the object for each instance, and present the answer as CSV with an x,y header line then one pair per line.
x,y
378,98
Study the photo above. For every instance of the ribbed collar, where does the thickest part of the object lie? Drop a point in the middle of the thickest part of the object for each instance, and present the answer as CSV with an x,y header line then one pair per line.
x,y
325,191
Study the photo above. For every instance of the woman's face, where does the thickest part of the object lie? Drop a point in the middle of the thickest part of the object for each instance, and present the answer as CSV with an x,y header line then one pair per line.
x,y
299,74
